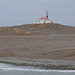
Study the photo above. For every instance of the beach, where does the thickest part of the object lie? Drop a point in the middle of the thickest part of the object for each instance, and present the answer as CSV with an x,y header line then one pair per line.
x,y
39,63
6,69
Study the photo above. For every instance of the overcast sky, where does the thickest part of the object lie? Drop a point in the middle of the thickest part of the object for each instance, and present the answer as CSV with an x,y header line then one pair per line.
x,y
17,12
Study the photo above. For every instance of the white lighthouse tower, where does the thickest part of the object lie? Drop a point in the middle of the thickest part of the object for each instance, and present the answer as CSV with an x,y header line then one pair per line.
x,y
43,20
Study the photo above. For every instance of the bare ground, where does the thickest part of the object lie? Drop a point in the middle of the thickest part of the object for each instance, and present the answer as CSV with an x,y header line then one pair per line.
x,y
48,41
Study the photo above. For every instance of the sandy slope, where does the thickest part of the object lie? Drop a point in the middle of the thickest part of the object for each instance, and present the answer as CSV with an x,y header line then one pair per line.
x,y
46,41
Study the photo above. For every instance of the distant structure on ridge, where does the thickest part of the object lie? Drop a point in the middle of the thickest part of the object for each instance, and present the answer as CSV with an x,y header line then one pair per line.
x,y
43,20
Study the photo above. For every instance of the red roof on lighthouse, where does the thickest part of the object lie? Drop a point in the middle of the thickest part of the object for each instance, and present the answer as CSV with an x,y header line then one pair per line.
x,y
43,18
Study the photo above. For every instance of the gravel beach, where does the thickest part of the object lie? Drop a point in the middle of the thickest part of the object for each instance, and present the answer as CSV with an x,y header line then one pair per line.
x,y
39,63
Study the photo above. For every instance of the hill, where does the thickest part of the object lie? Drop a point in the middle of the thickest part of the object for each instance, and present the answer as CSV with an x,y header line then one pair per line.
x,y
44,41
37,29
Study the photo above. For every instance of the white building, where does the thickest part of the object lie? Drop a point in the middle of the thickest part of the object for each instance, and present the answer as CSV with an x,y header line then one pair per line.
x,y
43,20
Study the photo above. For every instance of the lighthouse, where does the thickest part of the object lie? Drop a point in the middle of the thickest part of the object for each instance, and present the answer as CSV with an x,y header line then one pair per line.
x,y
46,14
43,20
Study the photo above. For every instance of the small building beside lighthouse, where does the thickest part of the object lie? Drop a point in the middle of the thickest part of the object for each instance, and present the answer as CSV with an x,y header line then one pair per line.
x,y
43,20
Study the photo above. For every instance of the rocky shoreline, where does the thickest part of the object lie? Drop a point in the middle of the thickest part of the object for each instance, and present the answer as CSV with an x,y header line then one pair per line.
x,y
39,63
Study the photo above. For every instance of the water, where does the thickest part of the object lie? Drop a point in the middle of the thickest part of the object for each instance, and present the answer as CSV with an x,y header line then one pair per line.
x,y
6,69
